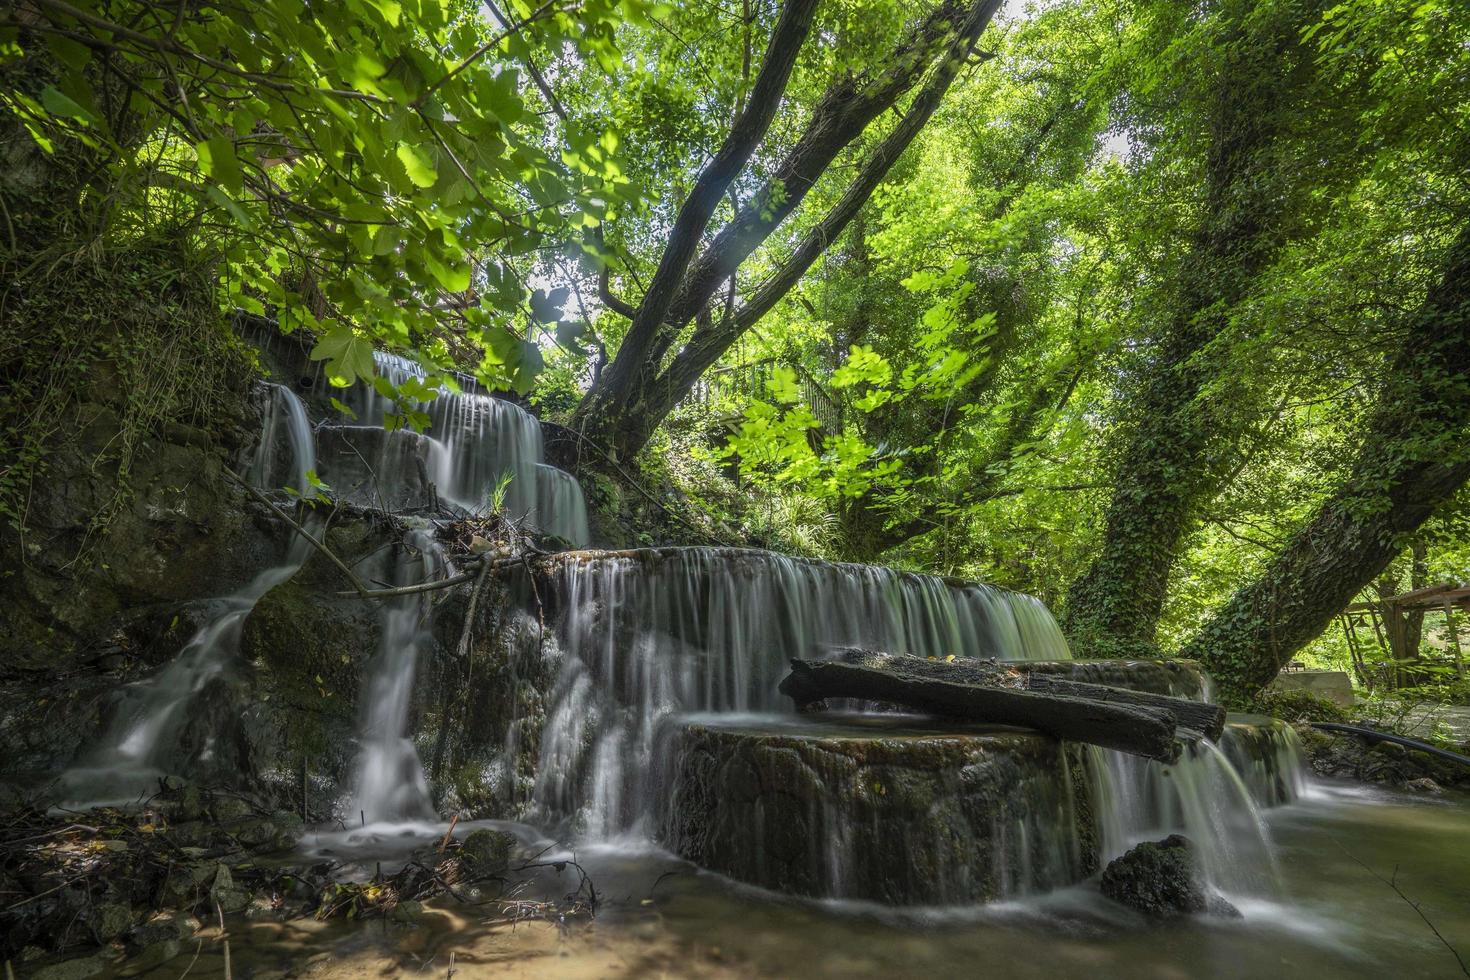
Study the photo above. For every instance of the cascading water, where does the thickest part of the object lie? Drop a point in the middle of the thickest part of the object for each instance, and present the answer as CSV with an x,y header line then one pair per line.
x,y
390,778
648,635
144,739
560,507
1269,756
1213,795
478,452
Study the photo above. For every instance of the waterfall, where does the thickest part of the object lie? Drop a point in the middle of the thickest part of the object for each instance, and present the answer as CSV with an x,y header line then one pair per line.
x,y
1269,756
1213,795
648,635
147,735
560,508
390,778
478,452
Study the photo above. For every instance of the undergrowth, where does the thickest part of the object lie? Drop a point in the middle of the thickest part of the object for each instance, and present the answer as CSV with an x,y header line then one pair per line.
x,y
124,339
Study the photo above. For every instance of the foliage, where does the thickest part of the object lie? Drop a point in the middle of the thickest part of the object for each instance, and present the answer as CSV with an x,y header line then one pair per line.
x,y
1298,706
1111,328
352,168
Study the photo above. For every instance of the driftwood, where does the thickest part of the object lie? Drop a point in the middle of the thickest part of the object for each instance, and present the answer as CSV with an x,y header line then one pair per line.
x,y
1135,729
1197,716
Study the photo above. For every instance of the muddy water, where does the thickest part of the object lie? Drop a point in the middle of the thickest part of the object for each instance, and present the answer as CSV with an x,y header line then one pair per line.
x,y
659,917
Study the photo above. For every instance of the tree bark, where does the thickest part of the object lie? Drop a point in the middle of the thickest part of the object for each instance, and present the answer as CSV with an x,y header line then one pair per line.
x,y
1167,466
1021,675
1414,454
1200,716
1148,732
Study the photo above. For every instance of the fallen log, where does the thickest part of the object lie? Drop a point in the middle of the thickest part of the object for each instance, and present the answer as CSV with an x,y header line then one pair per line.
x,y
1135,729
987,673
1197,716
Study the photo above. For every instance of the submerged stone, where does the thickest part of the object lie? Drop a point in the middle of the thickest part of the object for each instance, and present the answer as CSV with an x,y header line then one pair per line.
x,y
487,851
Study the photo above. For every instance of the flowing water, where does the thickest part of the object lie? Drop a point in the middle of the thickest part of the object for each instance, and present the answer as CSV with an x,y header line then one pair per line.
x,y
660,647
1334,915
653,634
390,782
477,453
143,740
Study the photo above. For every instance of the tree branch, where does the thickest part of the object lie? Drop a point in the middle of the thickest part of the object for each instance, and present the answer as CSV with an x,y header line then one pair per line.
x,y
705,347
745,135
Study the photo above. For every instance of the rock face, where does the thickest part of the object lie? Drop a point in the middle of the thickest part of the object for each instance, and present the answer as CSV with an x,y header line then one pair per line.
x,y
1344,756
87,603
881,809
1158,879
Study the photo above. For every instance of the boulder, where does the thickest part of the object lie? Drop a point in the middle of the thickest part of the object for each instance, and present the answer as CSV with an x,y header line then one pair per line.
x,y
487,852
880,807
1159,880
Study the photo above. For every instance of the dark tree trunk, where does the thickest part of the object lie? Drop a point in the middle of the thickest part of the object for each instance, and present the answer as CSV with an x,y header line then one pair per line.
x,y
1169,462
1414,454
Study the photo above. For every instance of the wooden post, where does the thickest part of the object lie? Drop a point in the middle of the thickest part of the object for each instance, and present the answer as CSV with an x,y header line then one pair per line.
x,y
1449,621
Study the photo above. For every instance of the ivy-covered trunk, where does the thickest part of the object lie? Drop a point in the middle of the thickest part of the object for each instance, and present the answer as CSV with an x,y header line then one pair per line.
x,y
1414,454
1175,444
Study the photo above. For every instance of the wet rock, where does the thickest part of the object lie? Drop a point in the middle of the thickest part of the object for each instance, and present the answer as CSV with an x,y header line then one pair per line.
x,y
152,956
1346,756
226,809
1391,750
164,928
1424,785
77,969
1159,880
487,852
225,893
882,809
111,920
407,912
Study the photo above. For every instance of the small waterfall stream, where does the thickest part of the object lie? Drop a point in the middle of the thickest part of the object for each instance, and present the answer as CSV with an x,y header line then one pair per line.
x,y
1201,796
390,784
478,451
142,740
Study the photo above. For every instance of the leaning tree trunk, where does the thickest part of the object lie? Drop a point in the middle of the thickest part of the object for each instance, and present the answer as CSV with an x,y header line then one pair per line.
x,y
1414,454
1169,462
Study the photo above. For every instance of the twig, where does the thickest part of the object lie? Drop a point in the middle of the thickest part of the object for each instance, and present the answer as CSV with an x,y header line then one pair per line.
x,y
479,52
198,946
448,834
1393,883
27,901
357,583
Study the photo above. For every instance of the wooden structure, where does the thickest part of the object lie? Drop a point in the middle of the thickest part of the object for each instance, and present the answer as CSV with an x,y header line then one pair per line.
x,y
1446,598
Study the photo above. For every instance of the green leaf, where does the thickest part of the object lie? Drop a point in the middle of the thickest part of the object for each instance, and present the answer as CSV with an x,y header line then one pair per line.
x,y
546,307
782,385
420,168
454,276
348,355
217,160
59,104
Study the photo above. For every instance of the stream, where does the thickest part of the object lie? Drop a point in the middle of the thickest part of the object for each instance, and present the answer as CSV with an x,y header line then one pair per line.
x,y
1332,917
